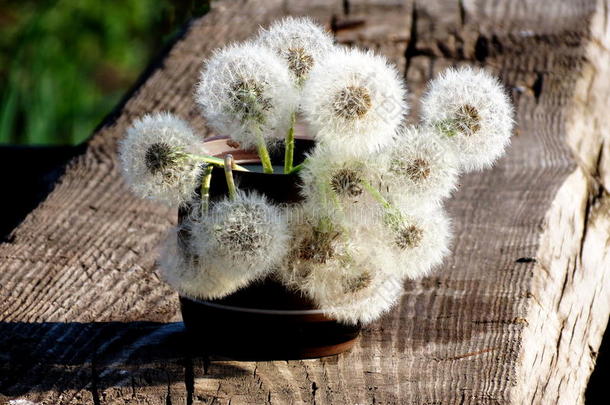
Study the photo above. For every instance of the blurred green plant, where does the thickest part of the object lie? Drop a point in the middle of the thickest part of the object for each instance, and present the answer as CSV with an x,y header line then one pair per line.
x,y
64,64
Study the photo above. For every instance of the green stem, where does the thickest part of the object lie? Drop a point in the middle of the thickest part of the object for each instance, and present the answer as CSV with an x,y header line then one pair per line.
x,y
299,167
326,224
263,154
296,168
393,217
289,145
206,179
228,165
215,161
376,194
447,127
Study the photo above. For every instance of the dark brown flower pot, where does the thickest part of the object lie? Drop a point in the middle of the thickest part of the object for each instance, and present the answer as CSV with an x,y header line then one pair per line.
x,y
265,320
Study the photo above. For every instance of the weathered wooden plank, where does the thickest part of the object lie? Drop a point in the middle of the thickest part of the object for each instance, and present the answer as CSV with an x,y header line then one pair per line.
x,y
571,298
514,316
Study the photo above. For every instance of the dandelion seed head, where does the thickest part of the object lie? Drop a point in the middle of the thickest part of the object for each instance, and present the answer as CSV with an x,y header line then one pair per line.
x,y
346,181
317,241
235,243
155,158
468,119
360,291
409,236
161,157
246,90
300,42
419,166
354,101
189,274
239,230
358,283
317,247
421,241
348,273
417,170
248,101
472,112
299,62
333,181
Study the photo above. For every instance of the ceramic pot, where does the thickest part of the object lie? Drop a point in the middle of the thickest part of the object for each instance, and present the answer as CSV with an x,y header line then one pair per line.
x,y
265,320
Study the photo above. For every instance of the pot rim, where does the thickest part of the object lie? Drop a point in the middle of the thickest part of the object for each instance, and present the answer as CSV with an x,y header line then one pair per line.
x,y
219,147
259,310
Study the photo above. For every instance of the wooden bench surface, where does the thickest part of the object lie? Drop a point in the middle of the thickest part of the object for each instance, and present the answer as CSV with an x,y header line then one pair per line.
x,y
515,315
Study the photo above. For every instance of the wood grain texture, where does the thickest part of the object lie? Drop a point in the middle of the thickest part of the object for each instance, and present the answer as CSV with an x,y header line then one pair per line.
x,y
514,316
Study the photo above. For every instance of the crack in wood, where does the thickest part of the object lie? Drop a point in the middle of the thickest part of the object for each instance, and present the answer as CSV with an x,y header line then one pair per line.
x,y
411,49
314,389
346,7
189,379
94,382
537,86
462,10
526,260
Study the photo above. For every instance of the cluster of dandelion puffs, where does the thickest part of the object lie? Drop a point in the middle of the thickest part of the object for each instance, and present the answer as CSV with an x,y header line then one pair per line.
x,y
372,190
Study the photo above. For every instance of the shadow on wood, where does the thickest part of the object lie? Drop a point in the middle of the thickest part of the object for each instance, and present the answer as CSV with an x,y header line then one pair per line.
x,y
29,175
37,357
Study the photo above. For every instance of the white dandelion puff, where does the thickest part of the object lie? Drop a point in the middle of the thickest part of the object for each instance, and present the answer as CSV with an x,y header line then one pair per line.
x,y
245,92
317,241
156,158
420,241
188,273
472,112
349,278
300,42
334,180
359,294
236,242
354,101
418,166
181,269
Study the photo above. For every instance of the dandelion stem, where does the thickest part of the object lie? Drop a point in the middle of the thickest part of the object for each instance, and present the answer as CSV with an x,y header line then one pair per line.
x,y
325,224
392,215
228,165
215,161
263,154
447,127
205,188
376,194
299,167
289,145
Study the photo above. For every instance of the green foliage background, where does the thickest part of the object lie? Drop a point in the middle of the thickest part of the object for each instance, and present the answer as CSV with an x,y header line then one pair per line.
x,y
64,64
